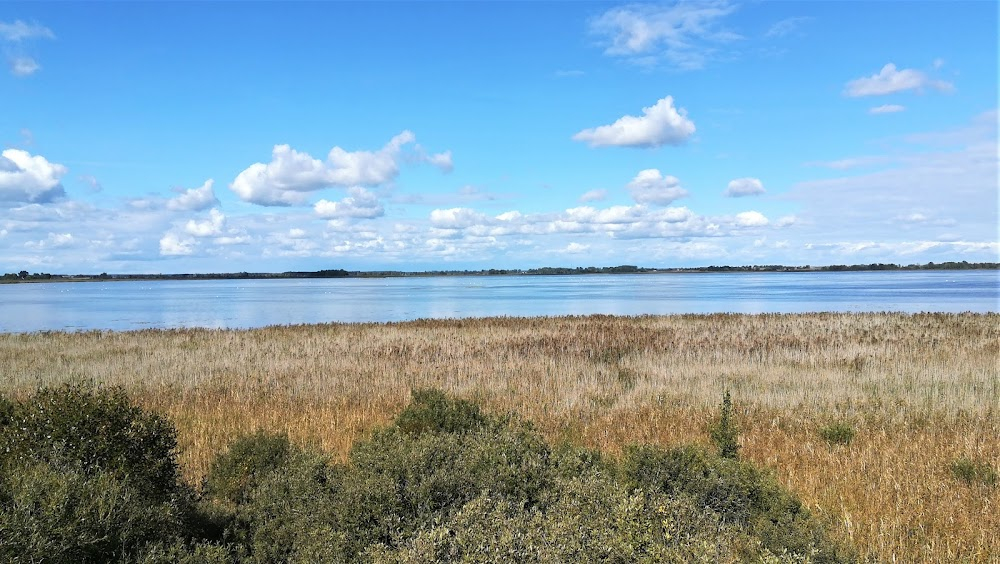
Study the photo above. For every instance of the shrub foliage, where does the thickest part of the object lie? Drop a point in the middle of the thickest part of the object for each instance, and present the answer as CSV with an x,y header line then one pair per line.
x,y
91,478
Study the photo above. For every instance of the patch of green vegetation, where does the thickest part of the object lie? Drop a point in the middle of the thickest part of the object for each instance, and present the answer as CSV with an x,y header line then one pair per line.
x,y
837,434
91,478
974,472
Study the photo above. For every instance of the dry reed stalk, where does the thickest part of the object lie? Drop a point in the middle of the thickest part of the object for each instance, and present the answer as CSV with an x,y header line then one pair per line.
x,y
920,390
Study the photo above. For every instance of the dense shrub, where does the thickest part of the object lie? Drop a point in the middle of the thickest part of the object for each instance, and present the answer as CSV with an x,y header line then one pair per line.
x,y
738,493
87,477
236,472
433,410
74,428
55,515
445,482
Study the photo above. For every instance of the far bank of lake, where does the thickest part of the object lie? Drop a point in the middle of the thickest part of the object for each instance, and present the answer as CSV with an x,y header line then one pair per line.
x,y
256,303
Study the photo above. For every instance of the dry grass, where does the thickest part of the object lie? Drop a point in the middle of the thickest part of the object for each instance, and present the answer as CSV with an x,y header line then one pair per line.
x,y
920,391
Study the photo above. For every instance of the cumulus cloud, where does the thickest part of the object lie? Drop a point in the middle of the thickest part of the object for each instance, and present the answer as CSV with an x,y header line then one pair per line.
x,y
53,241
891,80
456,218
660,124
172,244
886,109
210,227
441,160
360,204
741,187
684,35
577,248
593,196
27,178
291,174
194,199
751,219
651,187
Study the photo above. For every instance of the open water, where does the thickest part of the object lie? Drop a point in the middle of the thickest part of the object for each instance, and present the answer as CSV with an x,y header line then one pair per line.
x,y
254,303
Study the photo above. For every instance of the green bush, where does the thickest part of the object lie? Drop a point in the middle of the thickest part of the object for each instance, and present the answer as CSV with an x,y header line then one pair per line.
x,y
433,410
74,428
65,516
974,472
292,514
736,491
87,477
238,471
445,482
837,434
397,483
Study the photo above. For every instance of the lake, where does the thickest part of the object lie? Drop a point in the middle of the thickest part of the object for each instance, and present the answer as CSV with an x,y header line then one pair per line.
x,y
254,303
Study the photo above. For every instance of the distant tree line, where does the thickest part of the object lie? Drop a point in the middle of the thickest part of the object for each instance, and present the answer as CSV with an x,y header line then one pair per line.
x,y
24,276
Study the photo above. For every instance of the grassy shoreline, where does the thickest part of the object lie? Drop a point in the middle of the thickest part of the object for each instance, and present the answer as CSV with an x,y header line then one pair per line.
x,y
919,391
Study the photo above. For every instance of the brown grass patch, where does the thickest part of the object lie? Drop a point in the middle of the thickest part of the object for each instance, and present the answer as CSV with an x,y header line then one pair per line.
x,y
919,390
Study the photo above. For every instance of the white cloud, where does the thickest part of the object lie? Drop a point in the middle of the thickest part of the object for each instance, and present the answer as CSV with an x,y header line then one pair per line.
x,y
19,31
593,196
786,26
744,187
442,161
15,34
852,162
173,245
27,178
53,241
886,109
456,218
952,173
208,228
683,35
577,248
660,124
361,204
651,187
786,221
751,219
890,81
23,66
291,174
194,199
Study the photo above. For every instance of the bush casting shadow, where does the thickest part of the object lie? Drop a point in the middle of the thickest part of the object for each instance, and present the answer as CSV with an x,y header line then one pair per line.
x,y
91,478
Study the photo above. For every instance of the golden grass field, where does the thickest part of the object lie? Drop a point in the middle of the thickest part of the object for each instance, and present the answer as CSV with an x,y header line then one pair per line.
x,y
920,390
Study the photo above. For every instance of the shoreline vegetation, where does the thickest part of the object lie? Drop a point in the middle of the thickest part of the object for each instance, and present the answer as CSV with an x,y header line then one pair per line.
x,y
25,276
885,425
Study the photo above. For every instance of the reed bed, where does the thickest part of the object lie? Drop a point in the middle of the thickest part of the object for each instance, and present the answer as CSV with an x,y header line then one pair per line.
x,y
920,391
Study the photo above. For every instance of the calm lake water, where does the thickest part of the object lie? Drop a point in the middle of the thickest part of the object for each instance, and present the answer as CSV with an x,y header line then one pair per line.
x,y
256,303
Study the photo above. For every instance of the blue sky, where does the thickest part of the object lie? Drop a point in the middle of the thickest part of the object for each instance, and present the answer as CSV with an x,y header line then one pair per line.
x,y
224,137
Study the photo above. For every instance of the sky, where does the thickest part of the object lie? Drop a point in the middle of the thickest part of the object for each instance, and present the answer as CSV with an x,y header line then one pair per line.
x,y
181,137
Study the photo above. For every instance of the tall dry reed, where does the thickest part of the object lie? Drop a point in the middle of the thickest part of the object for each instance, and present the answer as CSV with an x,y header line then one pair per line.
x,y
919,390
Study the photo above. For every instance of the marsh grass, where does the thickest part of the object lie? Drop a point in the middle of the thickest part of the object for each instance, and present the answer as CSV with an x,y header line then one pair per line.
x,y
920,391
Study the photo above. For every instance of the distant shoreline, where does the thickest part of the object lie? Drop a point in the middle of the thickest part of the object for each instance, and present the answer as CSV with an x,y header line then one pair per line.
x,y
25,277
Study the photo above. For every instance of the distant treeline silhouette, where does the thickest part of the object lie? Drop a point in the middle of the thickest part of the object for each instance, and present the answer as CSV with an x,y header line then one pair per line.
x,y
25,276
